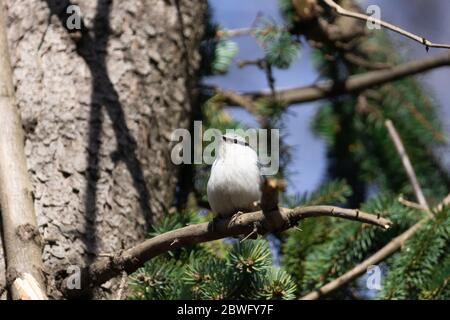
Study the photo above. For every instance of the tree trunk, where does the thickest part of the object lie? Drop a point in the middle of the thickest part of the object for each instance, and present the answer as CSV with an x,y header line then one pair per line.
x,y
98,106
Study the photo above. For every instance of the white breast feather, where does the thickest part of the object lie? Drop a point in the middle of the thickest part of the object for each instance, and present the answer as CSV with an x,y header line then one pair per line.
x,y
234,184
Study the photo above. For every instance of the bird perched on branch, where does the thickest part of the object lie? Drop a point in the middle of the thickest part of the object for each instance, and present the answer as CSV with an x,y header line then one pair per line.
x,y
235,180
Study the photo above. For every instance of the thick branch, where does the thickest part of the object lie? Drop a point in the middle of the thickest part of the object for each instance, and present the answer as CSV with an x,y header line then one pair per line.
x,y
20,233
134,258
356,83
236,99
384,24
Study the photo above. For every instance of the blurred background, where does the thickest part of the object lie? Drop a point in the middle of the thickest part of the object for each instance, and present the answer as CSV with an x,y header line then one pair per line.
x,y
308,165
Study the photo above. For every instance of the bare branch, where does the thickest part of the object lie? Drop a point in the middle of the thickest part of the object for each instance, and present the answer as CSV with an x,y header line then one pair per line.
x,y
21,237
355,83
444,203
234,32
428,44
407,164
28,288
132,259
235,98
250,62
411,204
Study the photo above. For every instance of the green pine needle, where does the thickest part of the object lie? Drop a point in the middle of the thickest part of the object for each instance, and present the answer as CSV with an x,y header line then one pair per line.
x,y
276,284
225,51
250,256
280,48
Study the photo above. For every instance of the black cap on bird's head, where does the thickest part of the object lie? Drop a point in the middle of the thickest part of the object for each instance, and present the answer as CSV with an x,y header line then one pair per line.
x,y
234,139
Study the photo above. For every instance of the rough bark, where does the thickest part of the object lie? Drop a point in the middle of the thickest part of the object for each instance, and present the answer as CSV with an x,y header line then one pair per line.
x,y
98,106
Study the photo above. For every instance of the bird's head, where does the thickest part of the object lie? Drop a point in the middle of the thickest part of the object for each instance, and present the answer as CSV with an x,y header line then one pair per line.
x,y
231,141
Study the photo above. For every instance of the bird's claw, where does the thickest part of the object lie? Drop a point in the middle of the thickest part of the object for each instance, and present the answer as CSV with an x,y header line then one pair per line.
x,y
252,235
235,216
215,220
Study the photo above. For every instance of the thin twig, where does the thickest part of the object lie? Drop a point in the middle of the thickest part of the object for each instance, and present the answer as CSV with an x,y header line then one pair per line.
x,y
250,62
411,204
234,32
243,31
132,259
347,13
407,164
444,203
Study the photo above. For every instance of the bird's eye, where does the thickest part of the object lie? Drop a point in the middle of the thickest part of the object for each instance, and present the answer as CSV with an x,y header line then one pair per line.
x,y
224,139
246,144
235,140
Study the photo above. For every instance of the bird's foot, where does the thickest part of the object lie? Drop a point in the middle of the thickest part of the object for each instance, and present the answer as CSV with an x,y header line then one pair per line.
x,y
214,221
235,216
252,235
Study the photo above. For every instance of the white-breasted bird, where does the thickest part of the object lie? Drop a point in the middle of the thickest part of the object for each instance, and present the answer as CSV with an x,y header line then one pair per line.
x,y
235,180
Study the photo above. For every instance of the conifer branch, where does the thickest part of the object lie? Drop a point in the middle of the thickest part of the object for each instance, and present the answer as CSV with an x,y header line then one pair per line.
x,y
380,255
353,84
132,259
347,13
394,245
395,137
